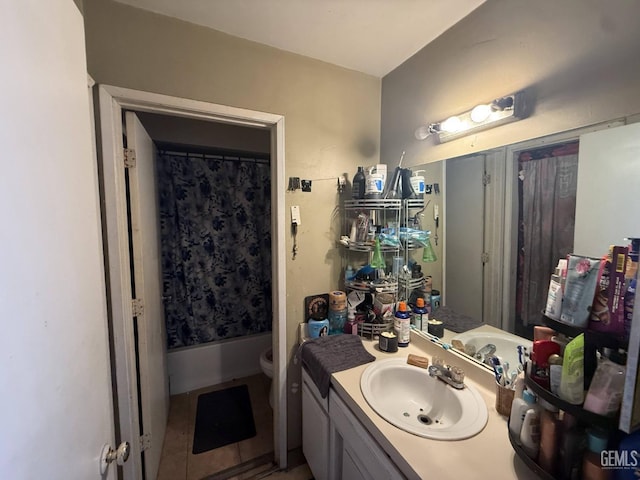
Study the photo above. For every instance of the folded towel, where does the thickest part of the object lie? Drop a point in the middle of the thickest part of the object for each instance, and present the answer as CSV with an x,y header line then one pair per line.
x,y
326,355
454,321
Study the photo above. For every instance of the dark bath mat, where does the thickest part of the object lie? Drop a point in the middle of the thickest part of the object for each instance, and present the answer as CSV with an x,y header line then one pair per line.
x,y
223,417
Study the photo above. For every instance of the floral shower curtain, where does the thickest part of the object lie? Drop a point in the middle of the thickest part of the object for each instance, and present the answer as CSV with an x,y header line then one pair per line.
x,y
547,190
215,226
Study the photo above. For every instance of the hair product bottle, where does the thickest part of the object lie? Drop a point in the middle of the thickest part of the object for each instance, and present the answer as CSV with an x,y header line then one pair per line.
x,y
402,325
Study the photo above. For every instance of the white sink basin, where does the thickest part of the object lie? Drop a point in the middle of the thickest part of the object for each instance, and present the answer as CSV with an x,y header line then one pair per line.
x,y
407,397
505,343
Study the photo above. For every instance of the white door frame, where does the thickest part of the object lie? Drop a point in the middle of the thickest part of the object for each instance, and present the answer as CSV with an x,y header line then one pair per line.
x,y
112,101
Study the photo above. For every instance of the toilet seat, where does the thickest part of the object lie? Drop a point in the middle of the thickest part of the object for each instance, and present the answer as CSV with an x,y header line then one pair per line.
x,y
266,362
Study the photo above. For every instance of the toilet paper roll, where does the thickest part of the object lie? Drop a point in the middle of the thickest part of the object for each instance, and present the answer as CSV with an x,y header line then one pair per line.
x,y
337,300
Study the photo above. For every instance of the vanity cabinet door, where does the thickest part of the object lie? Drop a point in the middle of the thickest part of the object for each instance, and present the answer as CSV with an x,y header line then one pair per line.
x,y
355,452
315,431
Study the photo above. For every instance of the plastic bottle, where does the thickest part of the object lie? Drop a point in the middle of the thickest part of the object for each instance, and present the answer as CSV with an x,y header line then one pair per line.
x,y
351,326
605,392
549,438
572,445
357,184
348,274
530,433
555,373
519,409
420,314
572,381
592,469
402,325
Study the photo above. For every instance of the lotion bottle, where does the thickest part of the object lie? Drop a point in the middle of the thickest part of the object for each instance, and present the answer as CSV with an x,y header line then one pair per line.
x,y
519,409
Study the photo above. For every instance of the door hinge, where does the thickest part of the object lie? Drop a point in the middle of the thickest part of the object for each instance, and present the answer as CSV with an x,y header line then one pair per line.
x,y
137,307
486,179
484,257
129,158
145,442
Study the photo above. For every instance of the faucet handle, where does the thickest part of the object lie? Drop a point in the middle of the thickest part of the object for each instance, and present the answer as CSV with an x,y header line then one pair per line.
x,y
439,361
457,374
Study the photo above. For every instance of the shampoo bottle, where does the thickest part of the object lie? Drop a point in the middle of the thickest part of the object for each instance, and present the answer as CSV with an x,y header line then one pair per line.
x,y
402,325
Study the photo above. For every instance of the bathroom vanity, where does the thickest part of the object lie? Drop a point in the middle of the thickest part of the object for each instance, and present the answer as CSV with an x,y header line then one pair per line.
x,y
344,438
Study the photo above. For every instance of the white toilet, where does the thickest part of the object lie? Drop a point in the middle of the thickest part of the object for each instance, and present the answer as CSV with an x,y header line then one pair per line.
x,y
266,364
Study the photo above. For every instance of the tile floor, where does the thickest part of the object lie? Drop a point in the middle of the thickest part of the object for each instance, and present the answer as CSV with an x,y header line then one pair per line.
x,y
178,463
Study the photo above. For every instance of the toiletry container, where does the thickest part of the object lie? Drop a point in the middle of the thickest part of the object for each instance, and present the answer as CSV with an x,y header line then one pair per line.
x,y
402,325
555,373
351,326
549,437
592,468
417,183
530,433
419,314
572,381
435,300
540,353
358,184
318,328
374,183
337,314
572,446
519,408
605,392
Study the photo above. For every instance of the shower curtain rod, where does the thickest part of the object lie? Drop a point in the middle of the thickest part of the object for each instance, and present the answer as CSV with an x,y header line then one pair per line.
x,y
230,157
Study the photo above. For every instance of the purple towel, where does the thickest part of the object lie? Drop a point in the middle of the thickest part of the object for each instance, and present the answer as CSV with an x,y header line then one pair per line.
x,y
326,355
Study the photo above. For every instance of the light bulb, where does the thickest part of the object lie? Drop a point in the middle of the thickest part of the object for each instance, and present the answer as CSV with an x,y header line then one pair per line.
x,y
451,125
480,113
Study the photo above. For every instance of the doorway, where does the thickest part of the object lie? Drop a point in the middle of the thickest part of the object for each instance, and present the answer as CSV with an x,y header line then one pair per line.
x,y
112,102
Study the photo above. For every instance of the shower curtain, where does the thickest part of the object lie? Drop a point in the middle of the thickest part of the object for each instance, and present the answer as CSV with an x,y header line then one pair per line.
x,y
547,190
215,228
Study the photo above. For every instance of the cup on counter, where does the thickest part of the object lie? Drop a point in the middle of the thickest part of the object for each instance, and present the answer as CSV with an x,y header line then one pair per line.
x,y
504,399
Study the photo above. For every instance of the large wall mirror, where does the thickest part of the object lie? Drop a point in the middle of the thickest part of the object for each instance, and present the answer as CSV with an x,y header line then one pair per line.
x,y
508,214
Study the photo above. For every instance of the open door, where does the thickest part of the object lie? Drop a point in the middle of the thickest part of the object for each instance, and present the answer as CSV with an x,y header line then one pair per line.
x,y
57,410
464,224
149,331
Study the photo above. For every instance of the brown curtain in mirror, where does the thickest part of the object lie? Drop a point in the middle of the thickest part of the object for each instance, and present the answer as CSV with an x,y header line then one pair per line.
x,y
547,191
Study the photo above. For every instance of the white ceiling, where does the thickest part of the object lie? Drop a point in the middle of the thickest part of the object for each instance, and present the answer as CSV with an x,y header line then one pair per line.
x,y
370,36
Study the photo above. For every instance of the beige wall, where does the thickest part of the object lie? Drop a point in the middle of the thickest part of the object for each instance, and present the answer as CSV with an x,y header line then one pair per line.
x,y
332,121
579,58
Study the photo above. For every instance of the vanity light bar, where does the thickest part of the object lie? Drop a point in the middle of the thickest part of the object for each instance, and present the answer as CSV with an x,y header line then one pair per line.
x,y
502,110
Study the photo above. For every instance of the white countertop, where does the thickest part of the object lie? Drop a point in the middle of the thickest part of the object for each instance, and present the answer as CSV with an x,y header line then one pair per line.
x,y
486,455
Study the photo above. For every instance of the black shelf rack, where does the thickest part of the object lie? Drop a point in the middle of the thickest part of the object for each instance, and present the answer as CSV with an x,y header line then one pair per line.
x,y
592,342
528,461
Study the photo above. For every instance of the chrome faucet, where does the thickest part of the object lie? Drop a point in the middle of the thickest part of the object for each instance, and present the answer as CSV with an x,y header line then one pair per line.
x,y
485,353
453,376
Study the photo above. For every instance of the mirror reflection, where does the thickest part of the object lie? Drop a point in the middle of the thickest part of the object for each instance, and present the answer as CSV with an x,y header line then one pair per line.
x,y
507,215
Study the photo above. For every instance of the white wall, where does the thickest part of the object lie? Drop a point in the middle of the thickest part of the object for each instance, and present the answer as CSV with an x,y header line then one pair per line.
x,y
577,58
